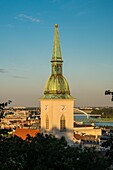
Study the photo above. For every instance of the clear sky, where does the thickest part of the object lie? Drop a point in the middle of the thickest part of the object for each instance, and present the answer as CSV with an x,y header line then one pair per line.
x,y
26,41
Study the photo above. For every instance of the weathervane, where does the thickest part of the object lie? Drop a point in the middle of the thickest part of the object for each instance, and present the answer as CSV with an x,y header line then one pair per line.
x,y
108,92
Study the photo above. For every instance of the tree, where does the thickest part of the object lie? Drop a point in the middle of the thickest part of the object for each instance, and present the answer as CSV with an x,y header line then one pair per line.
x,y
109,153
2,106
108,92
47,153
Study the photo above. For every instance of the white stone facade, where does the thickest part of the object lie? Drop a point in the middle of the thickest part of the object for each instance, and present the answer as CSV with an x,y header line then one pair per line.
x,y
52,112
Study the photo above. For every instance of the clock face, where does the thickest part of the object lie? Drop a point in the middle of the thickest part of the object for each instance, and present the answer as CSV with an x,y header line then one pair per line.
x,y
46,107
63,107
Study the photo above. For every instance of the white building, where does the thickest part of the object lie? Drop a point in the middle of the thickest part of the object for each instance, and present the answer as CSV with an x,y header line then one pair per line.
x,y
57,104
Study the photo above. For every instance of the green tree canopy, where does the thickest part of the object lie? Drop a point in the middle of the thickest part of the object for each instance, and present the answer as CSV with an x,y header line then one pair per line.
x,y
47,153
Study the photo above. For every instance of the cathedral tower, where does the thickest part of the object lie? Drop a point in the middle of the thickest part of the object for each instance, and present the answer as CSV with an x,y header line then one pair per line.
x,y
57,103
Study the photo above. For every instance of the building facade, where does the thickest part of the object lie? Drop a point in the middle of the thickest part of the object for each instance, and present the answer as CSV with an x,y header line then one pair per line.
x,y
57,104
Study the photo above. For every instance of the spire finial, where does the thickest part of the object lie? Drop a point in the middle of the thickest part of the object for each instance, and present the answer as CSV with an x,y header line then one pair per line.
x,y
56,25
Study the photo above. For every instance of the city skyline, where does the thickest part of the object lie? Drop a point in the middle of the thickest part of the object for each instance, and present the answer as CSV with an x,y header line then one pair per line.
x,y
86,38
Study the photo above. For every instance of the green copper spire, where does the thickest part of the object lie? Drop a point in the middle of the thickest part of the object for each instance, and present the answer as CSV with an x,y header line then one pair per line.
x,y
56,86
56,56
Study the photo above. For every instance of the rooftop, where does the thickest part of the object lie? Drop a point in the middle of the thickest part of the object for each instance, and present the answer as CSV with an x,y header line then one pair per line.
x,y
22,133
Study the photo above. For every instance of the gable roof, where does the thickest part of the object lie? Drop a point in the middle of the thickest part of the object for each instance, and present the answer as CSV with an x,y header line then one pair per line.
x,y
22,133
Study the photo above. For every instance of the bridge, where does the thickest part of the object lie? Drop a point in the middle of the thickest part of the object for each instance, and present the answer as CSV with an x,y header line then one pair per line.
x,y
87,117
81,111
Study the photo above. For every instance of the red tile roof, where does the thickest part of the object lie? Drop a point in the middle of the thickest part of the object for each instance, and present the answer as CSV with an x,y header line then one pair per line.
x,y
22,133
78,137
85,137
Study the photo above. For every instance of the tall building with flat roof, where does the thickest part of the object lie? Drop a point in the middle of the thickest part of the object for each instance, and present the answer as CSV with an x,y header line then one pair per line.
x,y
57,104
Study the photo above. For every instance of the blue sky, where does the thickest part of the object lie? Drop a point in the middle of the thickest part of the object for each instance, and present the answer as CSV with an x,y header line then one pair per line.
x,y
26,41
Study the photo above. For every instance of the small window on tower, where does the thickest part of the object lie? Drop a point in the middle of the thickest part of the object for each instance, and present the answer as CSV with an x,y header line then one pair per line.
x,y
62,123
47,122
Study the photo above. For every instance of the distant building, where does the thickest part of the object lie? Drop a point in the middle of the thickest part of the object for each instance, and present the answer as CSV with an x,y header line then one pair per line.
x,y
57,104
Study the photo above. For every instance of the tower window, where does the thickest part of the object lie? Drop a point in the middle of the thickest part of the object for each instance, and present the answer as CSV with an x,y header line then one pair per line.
x,y
62,123
47,122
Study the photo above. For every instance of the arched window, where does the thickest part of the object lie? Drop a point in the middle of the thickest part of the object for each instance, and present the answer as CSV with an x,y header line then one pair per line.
x,y
62,123
47,122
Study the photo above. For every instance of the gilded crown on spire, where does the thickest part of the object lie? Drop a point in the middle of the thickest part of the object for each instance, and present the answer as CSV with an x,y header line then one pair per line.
x,y
56,25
